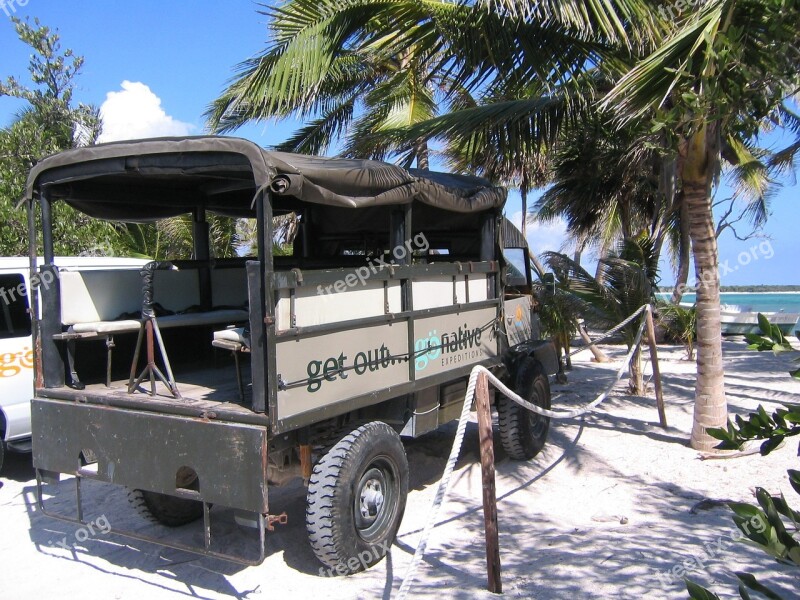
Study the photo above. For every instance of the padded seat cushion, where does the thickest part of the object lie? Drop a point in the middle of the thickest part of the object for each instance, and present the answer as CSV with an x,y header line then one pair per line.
x,y
216,317
232,334
102,327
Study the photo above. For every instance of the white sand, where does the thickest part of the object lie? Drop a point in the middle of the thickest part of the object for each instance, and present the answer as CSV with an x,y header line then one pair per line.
x,y
604,509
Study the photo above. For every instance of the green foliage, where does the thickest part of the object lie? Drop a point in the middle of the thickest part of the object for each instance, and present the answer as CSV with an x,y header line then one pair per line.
x,y
604,181
773,429
697,592
560,310
771,339
172,238
629,281
50,123
679,323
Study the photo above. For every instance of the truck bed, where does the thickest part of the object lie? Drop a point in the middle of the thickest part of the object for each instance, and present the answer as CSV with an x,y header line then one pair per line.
x,y
207,391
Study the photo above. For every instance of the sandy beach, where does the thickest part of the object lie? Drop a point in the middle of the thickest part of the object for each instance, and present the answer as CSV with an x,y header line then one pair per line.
x,y
609,509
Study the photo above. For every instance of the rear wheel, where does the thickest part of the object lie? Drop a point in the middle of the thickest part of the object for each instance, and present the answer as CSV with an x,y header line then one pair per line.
x,y
169,510
523,433
356,498
165,509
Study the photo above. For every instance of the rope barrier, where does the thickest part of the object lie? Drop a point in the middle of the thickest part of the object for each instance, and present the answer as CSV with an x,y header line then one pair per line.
x,y
444,482
610,332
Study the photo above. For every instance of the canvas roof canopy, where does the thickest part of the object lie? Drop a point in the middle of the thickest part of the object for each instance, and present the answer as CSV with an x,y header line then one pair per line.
x,y
146,180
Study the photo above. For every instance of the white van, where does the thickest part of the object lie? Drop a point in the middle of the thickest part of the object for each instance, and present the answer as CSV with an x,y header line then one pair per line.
x,y
16,348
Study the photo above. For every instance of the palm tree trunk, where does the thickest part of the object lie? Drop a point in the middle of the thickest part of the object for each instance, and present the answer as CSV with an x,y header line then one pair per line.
x,y
599,273
599,355
536,262
636,384
422,155
684,254
710,407
523,192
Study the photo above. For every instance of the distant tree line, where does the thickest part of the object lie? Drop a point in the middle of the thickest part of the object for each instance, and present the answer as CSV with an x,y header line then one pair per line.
x,y
743,289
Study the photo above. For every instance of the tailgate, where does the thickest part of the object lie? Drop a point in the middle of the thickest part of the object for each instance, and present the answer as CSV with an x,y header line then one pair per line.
x,y
145,450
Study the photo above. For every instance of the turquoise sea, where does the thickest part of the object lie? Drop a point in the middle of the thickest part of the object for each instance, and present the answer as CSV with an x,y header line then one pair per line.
x,y
759,302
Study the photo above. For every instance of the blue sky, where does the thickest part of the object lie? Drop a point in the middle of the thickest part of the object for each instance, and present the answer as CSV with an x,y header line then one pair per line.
x,y
164,61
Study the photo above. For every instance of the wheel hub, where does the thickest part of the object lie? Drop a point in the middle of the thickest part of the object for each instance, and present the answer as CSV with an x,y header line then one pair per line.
x,y
371,499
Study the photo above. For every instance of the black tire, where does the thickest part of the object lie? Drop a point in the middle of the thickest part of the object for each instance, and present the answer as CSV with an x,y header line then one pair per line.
x,y
524,433
356,499
164,509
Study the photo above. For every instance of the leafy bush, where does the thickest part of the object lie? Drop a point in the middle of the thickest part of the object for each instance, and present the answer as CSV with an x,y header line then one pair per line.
x,y
771,338
680,324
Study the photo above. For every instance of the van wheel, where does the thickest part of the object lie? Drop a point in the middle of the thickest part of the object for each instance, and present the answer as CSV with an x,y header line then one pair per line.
x,y
523,433
356,498
164,509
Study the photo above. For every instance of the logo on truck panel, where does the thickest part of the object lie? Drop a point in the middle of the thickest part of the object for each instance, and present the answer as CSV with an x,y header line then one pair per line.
x,y
454,347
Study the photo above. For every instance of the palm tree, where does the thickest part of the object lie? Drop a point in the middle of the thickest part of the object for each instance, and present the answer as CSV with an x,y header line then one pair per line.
x,y
722,75
348,93
605,183
630,274
172,238
538,67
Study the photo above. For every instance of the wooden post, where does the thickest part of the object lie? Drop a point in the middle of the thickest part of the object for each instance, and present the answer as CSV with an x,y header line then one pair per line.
x,y
651,340
489,495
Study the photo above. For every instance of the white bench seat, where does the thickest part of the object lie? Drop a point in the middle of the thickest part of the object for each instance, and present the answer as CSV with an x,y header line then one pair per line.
x,y
234,340
99,304
214,317
105,327
232,334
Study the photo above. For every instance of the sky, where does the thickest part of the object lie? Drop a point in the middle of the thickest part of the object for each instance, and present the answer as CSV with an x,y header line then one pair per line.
x,y
154,66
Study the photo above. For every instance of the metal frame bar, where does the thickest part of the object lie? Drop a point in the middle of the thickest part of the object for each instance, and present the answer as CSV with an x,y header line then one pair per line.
x,y
204,551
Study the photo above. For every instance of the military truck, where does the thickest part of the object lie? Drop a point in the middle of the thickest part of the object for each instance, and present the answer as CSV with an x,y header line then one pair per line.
x,y
306,360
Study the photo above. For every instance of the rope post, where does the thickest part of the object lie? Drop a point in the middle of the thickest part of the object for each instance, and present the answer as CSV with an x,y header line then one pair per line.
x,y
489,493
651,340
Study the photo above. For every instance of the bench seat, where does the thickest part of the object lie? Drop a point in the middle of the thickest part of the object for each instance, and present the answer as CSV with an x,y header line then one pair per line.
x,y
214,317
99,304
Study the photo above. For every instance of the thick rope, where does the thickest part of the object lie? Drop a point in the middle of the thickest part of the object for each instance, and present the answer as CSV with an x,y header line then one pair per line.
x,y
441,491
610,332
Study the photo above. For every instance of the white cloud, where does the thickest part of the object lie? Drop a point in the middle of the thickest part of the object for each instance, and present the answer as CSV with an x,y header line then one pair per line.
x,y
544,237
135,112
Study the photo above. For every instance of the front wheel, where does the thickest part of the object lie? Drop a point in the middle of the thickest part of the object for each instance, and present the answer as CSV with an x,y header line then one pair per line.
x,y
356,498
523,433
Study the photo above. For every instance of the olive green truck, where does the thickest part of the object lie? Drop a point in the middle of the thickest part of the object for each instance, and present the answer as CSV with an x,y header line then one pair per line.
x,y
367,294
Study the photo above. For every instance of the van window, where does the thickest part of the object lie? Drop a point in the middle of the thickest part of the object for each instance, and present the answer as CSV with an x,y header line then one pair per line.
x,y
14,318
